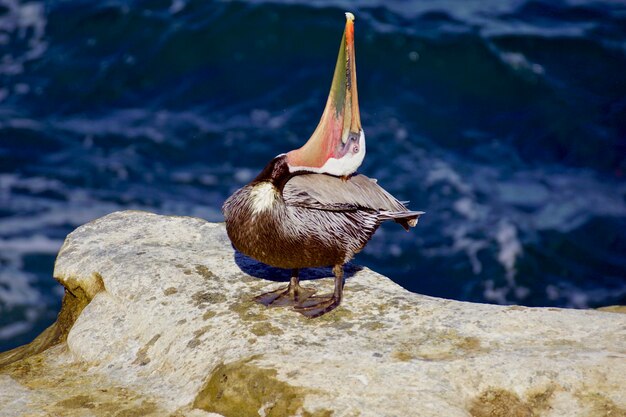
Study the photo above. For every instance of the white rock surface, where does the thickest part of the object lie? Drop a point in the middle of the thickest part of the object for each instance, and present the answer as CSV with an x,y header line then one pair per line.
x,y
171,326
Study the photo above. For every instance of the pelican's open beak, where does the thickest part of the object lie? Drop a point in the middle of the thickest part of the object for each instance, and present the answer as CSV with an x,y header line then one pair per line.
x,y
338,135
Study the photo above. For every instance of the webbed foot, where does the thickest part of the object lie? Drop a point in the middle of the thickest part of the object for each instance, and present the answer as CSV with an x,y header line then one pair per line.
x,y
318,305
285,296
291,295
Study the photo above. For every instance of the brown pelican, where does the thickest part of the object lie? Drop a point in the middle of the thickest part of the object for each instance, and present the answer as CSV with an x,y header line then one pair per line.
x,y
308,208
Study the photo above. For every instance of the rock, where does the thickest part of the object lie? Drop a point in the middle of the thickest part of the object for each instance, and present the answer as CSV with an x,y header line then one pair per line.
x,y
168,329
614,309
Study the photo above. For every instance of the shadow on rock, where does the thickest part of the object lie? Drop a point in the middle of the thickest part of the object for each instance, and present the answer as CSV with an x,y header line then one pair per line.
x,y
260,270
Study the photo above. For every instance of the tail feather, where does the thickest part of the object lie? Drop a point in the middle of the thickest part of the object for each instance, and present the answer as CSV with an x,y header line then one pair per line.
x,y
406,219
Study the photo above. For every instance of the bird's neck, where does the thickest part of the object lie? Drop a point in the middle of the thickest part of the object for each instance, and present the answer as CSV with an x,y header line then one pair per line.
x,y
277,173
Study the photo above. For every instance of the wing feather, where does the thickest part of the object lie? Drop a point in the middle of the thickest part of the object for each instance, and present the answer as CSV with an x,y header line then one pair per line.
x,y
325,192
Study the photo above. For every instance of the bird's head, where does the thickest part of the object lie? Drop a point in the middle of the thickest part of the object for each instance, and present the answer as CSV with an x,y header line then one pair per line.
x,y
337,147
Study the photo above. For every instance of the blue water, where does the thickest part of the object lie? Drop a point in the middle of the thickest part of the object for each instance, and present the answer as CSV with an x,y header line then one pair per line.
x,y
505,120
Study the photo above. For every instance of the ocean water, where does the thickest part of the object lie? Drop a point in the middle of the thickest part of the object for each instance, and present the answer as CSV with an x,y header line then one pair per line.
x,y
504,120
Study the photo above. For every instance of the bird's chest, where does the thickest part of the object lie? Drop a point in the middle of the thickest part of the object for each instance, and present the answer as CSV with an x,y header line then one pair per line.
x,y
254,220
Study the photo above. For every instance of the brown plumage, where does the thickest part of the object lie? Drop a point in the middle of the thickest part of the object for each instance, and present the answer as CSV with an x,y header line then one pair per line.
x,y
308,220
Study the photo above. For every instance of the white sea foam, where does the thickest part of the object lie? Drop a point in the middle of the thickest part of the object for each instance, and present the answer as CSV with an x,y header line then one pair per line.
x,y
32,184
177,6
519,62
16,289
574,297
498,212
471,247
49,212
31,244
495,294
481,210
25,22
130,123
510,248
442,172
14,329
490,17
244,175
466,207
138,123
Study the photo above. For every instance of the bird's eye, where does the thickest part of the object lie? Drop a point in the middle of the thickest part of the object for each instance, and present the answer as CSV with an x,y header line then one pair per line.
x,y
354,137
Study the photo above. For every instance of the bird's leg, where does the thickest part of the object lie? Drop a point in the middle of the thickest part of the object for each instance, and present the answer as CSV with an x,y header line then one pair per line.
x,y
293,294
318,305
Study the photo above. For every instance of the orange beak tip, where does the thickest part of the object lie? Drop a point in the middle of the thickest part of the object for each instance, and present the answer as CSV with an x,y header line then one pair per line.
x,y
349,29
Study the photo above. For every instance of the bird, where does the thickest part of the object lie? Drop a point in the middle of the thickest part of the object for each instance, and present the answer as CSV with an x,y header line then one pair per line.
x,y
310,207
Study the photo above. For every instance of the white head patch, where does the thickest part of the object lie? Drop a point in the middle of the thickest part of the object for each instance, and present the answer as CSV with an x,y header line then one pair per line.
x,y
339,167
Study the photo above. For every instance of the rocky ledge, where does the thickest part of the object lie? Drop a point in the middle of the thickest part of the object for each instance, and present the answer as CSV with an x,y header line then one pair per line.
x,y
158,320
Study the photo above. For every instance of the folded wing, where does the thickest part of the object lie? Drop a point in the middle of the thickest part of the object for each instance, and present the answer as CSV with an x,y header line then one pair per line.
x,y
325,192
